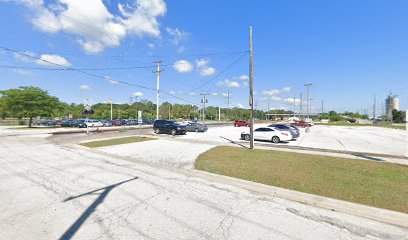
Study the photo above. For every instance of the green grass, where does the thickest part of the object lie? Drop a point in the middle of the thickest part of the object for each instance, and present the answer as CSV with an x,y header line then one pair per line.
x,y
115,141
361,125
378,184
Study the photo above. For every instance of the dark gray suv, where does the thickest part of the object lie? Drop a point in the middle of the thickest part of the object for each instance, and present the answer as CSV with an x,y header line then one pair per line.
x,y
168,126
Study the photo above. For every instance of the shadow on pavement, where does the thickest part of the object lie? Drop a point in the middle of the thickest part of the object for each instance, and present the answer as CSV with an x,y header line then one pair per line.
x,y
77,224
231,141
368,157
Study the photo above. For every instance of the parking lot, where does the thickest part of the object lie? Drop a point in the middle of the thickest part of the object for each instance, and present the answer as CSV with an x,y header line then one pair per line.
x,y
354,139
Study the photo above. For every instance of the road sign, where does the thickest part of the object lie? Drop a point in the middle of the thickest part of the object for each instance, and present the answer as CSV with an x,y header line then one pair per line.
x,y
139,117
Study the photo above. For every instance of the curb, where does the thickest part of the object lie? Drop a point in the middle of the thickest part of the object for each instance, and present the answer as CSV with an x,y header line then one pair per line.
x,y
377,214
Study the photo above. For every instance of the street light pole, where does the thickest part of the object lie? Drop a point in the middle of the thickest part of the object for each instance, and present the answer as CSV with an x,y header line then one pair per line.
x,y
251,90
307,85
110,101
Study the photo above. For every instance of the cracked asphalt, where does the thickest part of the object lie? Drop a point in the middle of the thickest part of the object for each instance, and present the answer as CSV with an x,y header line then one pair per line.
x,y
53,190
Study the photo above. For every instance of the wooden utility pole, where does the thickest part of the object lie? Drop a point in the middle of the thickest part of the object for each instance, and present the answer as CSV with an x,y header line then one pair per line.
x,y
251,90
158,88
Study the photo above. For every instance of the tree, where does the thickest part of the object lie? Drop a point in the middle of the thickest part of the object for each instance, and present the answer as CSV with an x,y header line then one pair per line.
x,y
30,102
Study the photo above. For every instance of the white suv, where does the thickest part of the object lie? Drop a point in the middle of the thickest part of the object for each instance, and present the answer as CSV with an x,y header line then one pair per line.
x,y
93,123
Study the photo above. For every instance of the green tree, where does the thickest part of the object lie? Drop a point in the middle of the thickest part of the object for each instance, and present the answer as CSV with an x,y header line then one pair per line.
x,y
30,102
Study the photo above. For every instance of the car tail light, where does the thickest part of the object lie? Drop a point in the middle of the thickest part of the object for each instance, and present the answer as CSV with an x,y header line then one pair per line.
x,y
285,134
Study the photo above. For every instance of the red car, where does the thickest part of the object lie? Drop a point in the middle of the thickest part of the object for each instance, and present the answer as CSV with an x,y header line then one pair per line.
x,y
301,124
116,123
241,123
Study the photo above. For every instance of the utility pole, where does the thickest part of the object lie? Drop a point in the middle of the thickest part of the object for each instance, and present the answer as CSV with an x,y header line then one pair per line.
x,y
204,101
158,88
301,107
111,113
219,114
256,107
307,85
251,90
310,107
374,106
406,130
322,107
228,109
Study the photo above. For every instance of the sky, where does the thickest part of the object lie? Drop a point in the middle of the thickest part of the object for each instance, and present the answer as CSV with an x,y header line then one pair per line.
x,y
349,50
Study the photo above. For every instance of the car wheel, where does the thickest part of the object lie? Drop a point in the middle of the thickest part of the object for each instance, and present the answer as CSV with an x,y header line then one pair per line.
x,y
247,125
157,131
247,137
173,132
196,130
275,139
235,125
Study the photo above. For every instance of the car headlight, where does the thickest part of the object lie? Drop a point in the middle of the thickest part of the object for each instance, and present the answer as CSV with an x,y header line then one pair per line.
x,y
178,128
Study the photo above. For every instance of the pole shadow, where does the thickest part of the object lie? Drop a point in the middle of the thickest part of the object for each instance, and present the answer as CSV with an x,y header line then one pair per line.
x,y
68,234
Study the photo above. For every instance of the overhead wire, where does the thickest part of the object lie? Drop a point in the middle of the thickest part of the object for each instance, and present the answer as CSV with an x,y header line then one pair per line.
x,y
92,74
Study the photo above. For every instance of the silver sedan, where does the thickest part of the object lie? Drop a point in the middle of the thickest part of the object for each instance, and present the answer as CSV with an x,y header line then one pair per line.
x,y
196,127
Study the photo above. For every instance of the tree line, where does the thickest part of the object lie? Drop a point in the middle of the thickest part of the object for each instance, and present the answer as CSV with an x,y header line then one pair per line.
x,y
34,102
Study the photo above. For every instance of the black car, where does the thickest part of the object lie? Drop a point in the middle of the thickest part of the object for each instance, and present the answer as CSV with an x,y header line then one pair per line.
x,y
294,131
168,126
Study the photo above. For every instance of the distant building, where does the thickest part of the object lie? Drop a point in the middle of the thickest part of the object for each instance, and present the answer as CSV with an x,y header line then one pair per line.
x,y
391,103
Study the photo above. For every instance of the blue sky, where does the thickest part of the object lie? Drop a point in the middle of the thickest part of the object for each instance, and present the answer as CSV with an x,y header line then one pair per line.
x,y
349,50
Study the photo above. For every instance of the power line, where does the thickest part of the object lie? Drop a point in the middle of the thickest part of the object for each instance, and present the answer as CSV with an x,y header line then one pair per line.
x,y
92,74
220,73
84,69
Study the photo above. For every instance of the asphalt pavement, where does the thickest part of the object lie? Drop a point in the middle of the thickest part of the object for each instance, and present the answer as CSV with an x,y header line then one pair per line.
x,y
55,190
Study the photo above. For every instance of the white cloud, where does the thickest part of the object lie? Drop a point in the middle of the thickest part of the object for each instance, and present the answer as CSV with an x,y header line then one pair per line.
x,y
91,47
269,93
293,101
151,45
49,59
138,94
22,72
84,88
205,70
112,81
181,49
25,56
229,84
172,92
215,94
192,93
94,25
276,98
226,94
177,35
286,90
239,105
183,66
243,77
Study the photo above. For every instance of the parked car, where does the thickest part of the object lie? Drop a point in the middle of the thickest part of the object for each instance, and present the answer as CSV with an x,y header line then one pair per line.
x,y
196,127
80,123
106,123
294,131
93,123
301,124
268,133
168,126
58,123
67,123
116,123
241,123
48,123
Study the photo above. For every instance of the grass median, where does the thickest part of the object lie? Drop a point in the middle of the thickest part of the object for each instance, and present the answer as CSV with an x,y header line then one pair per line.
x,y
115,141
378,184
